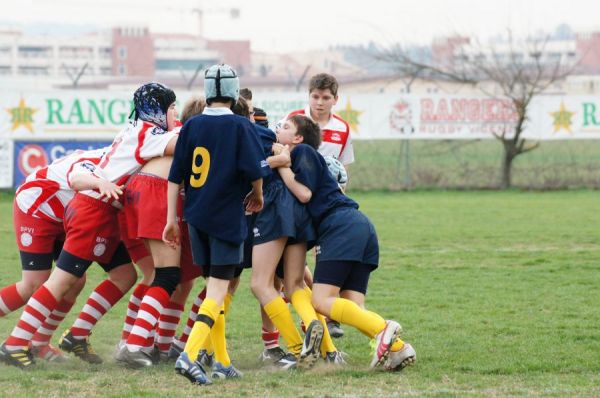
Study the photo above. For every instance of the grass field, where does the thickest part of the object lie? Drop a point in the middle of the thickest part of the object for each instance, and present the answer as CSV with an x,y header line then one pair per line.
x,y
498,292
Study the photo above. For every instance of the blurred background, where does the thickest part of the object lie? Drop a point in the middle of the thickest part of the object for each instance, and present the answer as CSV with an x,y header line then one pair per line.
x,y
438,94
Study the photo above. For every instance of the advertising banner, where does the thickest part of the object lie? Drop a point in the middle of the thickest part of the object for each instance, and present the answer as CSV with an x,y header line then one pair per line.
x,y
32,155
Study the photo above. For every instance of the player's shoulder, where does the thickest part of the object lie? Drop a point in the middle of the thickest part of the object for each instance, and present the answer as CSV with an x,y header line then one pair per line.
x,y
297,112
338,123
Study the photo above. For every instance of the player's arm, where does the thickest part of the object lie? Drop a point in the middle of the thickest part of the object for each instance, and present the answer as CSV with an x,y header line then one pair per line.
x,y
177,173
171,232
82,182
82,176
299,190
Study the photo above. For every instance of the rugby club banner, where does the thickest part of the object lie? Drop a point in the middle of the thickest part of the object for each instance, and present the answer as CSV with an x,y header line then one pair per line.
x,y
32,155
84,115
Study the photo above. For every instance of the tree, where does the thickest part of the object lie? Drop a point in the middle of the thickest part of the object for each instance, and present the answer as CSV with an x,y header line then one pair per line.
x,y
517,71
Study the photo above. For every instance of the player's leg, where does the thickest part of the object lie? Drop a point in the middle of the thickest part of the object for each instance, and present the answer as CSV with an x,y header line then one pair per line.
x,y
179,343
40,343
169,318
265,257
146,266
121,277
167,275
317,340
15,350
39,242
223,259
15,296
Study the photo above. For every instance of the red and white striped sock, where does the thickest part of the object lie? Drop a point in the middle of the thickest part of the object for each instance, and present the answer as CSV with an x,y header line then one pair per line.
x,y
104,296
193,314
44,333
10,300
132,309
37,309
270,339
152,305
167,325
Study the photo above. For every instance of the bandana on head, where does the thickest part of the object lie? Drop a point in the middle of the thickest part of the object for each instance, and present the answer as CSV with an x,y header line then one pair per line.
x,y
151,102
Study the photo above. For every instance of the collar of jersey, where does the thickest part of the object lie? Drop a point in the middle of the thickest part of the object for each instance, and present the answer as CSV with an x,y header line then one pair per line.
x,y
217,111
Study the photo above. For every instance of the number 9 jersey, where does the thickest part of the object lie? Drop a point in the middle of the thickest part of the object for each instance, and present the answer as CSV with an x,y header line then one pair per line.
x,y
218,154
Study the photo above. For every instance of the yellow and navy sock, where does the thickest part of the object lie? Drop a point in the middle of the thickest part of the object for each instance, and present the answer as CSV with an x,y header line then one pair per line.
x,y
207,314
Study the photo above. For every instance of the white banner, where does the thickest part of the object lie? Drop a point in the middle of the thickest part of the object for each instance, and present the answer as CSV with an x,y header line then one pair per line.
x,y
6,163
92,115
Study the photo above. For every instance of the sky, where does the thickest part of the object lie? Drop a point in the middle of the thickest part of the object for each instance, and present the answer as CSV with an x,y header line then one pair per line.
x,y
283,26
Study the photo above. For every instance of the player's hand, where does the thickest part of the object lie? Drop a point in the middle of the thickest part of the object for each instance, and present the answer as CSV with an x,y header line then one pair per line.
x,y
277,148
110,190
285,153
253,202
171,234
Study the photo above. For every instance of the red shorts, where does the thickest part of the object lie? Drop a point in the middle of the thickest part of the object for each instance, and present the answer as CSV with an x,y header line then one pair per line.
x,y
135,247
34,234
92,229
146,215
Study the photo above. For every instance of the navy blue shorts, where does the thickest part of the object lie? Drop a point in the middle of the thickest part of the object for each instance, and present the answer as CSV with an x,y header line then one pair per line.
x,y
347,235
282,216
347,275
208,250
247,261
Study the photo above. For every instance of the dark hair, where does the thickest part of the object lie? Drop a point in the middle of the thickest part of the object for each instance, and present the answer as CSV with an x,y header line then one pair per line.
x,y
307,129
241,108
323,81
194,106
246,93
260,117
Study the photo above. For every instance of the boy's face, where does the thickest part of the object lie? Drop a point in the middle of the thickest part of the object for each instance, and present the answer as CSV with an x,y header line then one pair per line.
x,y
171,117
286,134
321,102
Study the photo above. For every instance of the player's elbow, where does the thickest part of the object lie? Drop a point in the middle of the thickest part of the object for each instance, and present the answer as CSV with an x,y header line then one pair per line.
x,y
304,195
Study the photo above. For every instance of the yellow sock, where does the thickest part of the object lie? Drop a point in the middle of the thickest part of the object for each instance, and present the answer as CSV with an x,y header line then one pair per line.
x,y
347,312
227,302
281,317
327,343
301,300
201,330
217,334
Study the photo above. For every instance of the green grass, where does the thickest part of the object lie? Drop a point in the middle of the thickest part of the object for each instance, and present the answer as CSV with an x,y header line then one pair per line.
x,y
498,292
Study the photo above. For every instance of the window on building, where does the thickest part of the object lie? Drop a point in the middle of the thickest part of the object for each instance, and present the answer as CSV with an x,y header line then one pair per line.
x,y
122,70
122,52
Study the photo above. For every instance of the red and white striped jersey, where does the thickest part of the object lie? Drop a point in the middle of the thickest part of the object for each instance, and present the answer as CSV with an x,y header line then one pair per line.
x,y
47,191
337,141
133,147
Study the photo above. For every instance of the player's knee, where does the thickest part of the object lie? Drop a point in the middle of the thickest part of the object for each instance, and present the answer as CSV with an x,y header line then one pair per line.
x,y
167,278
318,304
123,276
27,287
255,286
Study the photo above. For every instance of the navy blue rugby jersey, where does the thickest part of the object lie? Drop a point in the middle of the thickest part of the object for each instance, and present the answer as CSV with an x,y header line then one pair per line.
x,y
267,138
311,170
217,153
